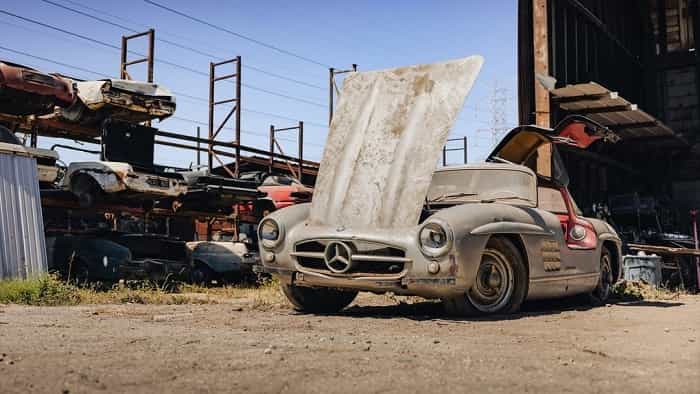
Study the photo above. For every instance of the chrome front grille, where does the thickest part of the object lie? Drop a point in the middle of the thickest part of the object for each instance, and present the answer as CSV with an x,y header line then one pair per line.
x,y
365,257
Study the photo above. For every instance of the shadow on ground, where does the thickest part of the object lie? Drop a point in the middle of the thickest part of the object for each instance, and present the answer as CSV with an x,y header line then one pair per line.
x,y
431,310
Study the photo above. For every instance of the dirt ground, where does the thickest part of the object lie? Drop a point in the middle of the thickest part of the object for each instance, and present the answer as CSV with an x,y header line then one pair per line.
x,y
378,345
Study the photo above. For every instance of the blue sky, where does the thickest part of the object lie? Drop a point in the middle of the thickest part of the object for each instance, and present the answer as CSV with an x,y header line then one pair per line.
x,y
373,34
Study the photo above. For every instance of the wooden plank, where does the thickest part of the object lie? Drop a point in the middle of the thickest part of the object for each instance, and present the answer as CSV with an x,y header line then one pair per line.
x,y
665,250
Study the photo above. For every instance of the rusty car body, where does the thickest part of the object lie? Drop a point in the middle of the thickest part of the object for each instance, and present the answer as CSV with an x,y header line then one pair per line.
x,y
26,91
130,101
483,238
92,180
220,261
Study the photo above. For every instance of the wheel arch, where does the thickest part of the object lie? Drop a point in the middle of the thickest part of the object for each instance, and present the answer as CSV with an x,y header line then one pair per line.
x,y
614,249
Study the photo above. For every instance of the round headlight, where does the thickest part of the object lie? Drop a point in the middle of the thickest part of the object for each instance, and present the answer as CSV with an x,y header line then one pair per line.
x,y
578,232
435,238
270,233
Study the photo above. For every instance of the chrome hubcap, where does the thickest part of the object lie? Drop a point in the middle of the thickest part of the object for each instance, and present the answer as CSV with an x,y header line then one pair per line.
x,y
493,285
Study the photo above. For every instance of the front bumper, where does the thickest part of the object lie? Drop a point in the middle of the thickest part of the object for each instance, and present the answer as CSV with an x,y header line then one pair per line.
x,y
154,184
412,277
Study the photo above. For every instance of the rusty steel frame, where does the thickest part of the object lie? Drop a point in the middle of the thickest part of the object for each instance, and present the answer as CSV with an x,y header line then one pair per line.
x,y
332,72
235,112
463,148
300,140
149,59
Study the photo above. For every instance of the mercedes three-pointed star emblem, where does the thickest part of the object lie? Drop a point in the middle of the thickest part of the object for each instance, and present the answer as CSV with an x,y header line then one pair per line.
x,y
338,257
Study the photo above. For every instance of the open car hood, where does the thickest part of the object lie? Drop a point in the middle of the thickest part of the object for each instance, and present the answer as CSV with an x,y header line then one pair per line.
x,y
521,145
384,143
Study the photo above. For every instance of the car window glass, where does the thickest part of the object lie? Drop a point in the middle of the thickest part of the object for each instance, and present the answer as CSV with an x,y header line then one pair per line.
x,y
550,200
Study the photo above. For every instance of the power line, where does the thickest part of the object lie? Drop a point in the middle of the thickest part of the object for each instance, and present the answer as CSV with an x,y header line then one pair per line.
x,y
172,64
181,46
54,61
223,29
178,94
199,122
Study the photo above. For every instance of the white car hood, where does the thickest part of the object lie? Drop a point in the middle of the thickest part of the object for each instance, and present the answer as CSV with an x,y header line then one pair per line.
x,y
386,136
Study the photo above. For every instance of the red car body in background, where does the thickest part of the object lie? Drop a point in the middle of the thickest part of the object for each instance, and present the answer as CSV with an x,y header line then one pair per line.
x,y
25,91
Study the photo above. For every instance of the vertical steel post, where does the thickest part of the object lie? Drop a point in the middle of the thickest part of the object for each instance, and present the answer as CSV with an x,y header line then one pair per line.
x,y
33,138
272,148
151,51
444,155
465,149
199,156
331,73
210,153
122,65
238,114
301,150
694,216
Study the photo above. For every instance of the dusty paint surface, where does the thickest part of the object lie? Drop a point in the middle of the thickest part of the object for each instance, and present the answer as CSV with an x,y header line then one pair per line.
x,y
386,136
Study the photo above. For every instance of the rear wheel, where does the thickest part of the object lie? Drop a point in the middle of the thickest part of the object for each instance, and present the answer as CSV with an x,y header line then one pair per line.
x,y
601,293
318,300
500,284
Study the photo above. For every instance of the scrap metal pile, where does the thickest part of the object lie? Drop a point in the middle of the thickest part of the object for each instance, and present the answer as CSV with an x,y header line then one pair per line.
x,y
124,216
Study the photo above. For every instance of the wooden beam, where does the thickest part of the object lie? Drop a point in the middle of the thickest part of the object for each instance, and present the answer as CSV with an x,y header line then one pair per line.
x,y
541,54
540,36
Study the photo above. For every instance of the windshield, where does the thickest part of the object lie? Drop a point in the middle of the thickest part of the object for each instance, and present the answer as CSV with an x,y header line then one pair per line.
x,y
483,183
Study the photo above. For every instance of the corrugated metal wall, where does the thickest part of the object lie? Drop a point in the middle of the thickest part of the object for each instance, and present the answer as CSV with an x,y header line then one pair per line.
x,y
22,242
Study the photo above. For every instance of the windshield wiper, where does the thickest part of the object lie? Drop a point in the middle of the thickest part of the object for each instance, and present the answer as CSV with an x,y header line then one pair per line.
x,y
494,199
451,195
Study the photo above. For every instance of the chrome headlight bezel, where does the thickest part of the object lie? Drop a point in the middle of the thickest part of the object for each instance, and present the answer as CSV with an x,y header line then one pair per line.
x,y
436,226
267,241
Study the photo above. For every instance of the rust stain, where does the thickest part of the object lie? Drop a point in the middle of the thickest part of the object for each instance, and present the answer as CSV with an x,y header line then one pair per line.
x,y
423,85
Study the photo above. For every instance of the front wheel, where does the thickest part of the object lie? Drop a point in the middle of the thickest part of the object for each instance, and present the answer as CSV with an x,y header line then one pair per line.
x,y
318,300
500,284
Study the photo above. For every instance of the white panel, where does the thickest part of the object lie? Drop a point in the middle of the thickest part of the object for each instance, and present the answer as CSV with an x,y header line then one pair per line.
x,y
22,247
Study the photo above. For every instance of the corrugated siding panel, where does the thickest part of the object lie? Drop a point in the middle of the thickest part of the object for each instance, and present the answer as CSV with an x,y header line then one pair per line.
x,y
22,242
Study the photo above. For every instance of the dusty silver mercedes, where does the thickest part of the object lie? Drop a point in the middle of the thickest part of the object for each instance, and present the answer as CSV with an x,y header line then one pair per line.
x,y
483,238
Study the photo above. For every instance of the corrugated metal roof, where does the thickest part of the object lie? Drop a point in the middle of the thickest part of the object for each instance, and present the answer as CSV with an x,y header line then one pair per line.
x,y
22,242
609,109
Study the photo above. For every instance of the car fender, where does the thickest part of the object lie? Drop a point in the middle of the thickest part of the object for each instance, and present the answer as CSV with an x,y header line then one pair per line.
x,y
474,224
108,175
606,233
290,217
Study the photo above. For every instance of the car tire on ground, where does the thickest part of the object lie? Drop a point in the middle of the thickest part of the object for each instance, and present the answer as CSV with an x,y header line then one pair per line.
x,y
500,285
601,294
318,300
202,275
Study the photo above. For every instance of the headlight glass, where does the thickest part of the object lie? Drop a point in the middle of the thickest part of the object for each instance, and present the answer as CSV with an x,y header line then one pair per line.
x,y
435,238
578,232
270,233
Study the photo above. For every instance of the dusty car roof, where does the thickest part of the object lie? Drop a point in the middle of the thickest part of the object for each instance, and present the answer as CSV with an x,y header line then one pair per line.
x,y
485,166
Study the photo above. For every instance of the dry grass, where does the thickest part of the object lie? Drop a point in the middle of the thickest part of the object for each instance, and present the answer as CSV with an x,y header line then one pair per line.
x,y
51,291
628,290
